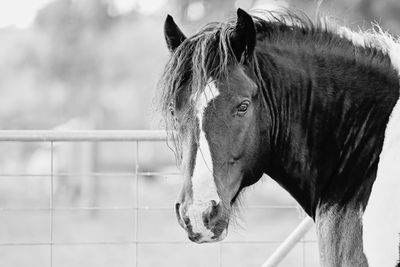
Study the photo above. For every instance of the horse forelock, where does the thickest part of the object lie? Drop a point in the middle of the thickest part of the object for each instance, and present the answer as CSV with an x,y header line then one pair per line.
x,y
200,59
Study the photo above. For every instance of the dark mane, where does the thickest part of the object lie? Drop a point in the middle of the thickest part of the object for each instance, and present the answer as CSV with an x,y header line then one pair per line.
x,y
207,55
291,31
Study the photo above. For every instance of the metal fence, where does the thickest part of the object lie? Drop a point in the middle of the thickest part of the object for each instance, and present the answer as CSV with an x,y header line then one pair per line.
x,y
135,137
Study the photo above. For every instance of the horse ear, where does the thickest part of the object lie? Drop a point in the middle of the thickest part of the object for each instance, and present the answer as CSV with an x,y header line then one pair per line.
x,y
173,35
243,37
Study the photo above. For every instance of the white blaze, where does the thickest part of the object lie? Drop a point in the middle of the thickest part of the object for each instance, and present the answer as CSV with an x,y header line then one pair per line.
x,y
381,220
203,184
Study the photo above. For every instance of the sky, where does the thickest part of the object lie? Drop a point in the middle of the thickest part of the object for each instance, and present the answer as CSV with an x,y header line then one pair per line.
x,y
21,13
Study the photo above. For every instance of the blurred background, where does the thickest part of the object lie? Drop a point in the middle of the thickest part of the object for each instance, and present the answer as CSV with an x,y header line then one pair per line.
x,y
94,64
97,62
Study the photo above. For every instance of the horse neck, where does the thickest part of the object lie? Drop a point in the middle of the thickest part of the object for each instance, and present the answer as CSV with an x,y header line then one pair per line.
x,y
326,133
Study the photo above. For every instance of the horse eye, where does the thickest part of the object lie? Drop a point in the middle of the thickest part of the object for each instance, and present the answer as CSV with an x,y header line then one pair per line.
x,y
242,108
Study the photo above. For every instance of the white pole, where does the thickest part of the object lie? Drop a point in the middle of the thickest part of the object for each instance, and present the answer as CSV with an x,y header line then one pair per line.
x,y
287,245
82,135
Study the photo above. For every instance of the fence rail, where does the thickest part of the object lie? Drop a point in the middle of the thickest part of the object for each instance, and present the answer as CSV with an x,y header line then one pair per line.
x,y
82,136
122,136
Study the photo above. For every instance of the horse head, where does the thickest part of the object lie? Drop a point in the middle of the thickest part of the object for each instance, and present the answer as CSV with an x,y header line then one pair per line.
x,y
212,98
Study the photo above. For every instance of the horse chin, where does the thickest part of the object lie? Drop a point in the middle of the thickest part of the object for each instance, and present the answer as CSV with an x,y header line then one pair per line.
x,y
213,239
222,236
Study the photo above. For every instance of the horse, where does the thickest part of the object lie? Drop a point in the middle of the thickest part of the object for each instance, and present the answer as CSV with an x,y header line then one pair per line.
x,y
310,104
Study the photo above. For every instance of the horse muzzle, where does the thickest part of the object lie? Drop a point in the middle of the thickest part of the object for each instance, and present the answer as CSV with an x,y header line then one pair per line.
x,y
203,222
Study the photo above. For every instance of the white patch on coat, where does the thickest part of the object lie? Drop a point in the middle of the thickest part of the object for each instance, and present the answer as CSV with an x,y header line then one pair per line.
x,y
203,184
381,219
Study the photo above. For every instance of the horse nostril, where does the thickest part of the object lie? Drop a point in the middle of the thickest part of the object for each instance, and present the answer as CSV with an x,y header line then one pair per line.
x,y
194,237
186,220
211,214
214,209
178,214
182,219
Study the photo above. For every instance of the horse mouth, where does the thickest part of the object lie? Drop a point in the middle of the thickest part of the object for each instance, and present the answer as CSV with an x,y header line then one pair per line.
x,y
221,236
216,234
199,239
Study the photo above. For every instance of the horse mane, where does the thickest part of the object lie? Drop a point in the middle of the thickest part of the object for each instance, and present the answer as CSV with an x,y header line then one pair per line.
x,y
207,55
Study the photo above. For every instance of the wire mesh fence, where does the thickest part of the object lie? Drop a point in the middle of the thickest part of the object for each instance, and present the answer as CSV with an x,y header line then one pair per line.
x,y
138,229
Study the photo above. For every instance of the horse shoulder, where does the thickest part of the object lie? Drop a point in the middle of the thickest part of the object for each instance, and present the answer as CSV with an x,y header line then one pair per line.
x,y
381,219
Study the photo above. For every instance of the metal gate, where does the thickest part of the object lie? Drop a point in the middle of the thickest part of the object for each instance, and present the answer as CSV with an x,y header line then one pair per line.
x,y
134,139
